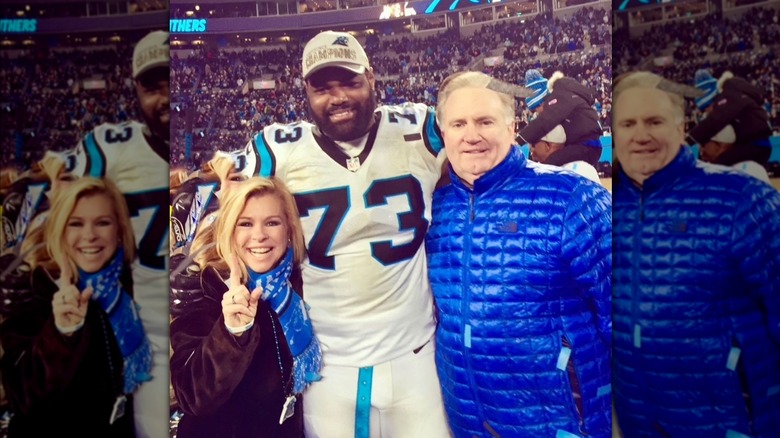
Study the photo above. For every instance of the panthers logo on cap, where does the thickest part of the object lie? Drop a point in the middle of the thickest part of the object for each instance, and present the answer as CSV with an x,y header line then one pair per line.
x,y
341,41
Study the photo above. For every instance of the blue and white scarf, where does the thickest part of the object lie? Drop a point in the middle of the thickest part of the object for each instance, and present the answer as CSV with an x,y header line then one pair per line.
x,y
123,315
294,318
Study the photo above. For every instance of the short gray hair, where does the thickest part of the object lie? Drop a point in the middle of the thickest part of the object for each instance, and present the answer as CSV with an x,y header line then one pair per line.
x,y
472,79
643,79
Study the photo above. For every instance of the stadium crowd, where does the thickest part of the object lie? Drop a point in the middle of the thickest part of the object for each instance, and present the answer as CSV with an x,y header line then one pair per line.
x,y
746,46
211,90
52,98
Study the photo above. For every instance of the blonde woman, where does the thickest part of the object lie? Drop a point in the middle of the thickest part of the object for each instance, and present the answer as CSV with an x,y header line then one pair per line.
x,y
251,339
75,354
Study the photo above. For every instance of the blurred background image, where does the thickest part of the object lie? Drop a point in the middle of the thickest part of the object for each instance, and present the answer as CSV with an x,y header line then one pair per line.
x,y
65,68
677,38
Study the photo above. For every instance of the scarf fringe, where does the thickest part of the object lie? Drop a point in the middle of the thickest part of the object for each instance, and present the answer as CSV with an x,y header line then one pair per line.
x,y
294,320
137,367
306,366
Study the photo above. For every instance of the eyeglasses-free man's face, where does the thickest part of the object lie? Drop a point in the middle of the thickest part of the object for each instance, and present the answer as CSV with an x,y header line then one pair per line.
x,y
648,131
477,131
342,103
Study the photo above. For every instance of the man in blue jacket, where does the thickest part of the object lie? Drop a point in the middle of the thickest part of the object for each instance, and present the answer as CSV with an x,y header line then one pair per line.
x,y
520,265
696,287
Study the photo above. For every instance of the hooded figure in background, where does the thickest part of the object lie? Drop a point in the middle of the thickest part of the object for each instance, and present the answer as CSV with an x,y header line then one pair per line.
x,y
563,101
736,126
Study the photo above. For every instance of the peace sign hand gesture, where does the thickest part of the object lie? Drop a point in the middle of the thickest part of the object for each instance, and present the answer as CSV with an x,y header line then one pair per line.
x,y
69,306
239,307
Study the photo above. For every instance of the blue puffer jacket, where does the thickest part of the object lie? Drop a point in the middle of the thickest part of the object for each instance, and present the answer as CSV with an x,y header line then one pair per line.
x,y
520,268
697,303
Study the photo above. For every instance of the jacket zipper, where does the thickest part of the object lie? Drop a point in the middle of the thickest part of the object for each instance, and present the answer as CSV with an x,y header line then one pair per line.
x,y
574,386
635,272
466,300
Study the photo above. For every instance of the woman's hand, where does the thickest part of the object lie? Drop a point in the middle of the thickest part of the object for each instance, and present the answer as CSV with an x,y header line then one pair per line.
x,y
239,307
69,306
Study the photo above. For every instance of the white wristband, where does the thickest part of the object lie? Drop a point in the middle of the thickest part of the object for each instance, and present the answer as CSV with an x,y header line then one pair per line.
x,y
242,329
71,329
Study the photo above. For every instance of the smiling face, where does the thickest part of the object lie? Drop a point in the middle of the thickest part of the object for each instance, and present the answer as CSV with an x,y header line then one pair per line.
x,y
342,103
92,232
261,233
477,130
648,131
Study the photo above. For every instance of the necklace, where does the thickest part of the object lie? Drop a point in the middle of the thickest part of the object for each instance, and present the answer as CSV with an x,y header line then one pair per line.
x,y
288,410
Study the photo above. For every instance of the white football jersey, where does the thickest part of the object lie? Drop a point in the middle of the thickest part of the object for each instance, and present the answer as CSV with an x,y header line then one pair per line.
x,y
122,154
365,220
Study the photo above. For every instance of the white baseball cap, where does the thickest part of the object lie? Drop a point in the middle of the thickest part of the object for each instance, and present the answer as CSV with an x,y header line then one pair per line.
x,y
557,135
334,49
153,50
726,135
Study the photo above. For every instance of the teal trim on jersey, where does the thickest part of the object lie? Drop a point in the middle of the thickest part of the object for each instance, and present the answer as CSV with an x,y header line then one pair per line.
x,y
363,403
433,136
266,160
97,165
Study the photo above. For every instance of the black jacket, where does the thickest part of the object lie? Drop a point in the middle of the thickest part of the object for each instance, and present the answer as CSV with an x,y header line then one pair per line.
x,y
183,203
59,385
739,104
571,106
228,386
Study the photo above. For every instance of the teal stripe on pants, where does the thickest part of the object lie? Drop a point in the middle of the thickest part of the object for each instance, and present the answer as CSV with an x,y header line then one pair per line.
x,y
363,403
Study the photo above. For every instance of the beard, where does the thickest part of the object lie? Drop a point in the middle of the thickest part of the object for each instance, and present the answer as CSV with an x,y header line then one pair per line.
x,y
349,130
158,127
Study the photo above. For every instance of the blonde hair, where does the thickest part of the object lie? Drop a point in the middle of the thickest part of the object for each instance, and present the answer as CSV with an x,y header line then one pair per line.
x,y
472,79
54,255
220,232
644,79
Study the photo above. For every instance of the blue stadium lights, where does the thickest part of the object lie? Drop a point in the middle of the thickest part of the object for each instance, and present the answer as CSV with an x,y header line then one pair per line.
x,y
634,3
195,25
19,25
432,6
435,6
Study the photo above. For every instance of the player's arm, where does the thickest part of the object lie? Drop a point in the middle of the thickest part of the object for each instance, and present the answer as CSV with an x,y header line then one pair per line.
x,y
434,142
